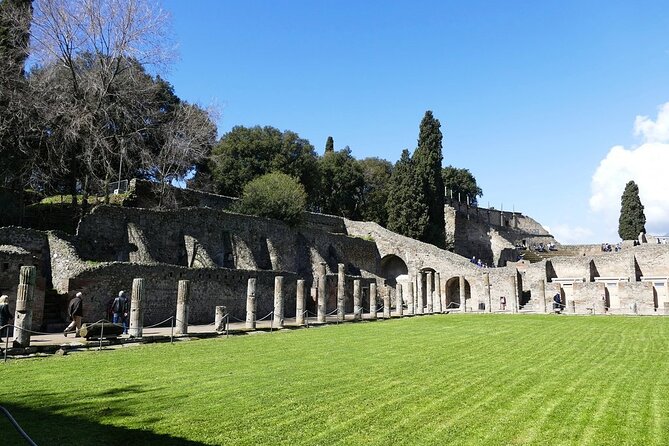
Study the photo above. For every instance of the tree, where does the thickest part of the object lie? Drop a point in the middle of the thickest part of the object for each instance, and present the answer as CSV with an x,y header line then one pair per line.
x,y
89,53
632,220
406,206
17,131
329,145
427,168
341,184
374,194
460,184
245,153
274,195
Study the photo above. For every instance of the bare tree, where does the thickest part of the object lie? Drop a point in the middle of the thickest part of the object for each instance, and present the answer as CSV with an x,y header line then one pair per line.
x,y
95,92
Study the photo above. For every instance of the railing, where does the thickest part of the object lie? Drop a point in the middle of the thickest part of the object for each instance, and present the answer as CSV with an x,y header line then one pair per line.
x,y
16,426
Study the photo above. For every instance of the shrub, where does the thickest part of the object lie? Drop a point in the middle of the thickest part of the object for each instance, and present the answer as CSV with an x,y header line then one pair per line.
x,y
274,195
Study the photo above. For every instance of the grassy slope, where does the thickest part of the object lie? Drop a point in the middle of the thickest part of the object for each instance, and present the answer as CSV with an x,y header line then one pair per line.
x,y
460,379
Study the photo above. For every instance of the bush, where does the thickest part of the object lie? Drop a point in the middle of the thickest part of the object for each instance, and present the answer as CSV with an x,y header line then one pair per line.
x,y
274,195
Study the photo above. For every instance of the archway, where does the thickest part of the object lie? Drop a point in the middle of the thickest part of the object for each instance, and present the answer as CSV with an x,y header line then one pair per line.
x,y
453,292
393,267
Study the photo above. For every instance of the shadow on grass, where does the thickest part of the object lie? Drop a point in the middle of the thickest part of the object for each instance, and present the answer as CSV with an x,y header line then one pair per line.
x,y
46,428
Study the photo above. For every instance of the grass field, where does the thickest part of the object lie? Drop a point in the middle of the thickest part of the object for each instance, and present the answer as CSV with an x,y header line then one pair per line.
x,y
432,380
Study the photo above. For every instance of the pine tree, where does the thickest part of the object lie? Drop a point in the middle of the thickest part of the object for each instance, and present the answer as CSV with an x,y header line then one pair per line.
x,y
427,161
632,219
407,211
329,145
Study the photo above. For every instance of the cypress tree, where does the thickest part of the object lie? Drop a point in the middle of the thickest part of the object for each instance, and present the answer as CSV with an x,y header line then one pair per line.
x,y
329,145
407,212
632,219
427,161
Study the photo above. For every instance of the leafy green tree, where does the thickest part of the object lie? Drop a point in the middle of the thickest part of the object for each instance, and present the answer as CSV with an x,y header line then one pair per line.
x,y
245,153
18,135
329,145
374,195
406,207
427,168
274,195
632,220
461,183
342,181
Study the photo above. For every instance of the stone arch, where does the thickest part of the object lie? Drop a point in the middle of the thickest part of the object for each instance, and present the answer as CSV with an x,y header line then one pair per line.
x,y
392,268
452,288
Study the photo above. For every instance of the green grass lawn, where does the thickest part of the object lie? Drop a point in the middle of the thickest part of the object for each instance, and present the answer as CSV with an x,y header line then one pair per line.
x,y
446,379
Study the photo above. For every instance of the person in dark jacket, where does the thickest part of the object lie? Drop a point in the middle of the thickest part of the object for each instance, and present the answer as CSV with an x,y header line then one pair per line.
x,y
74,310
557,303
120,311
5,315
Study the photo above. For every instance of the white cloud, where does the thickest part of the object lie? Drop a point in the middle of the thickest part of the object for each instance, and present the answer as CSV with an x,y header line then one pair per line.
x,y
647,165
571,235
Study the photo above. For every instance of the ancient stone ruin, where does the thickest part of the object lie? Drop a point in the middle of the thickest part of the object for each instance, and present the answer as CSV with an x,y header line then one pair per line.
x,y
210,257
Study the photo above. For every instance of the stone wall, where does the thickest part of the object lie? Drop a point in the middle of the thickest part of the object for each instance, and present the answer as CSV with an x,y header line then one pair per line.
x,y
209,287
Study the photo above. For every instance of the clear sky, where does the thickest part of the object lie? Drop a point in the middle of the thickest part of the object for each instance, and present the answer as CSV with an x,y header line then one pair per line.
x,y
552,105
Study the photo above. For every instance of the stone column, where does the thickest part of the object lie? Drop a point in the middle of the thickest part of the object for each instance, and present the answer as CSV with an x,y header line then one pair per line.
x,y
341,292
410,298
386,302
399,308
136,309
571,306
420,304
429,292
514,293
322,298
372,300
183,296
278,302
542,296
219,318
488,299
299,302
437,293
25,296
463,294
357,300
251,304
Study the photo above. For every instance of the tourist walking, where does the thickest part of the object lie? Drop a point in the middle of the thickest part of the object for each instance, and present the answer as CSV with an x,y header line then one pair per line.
x,y
74,310
5,315
502,303
557,303
120,311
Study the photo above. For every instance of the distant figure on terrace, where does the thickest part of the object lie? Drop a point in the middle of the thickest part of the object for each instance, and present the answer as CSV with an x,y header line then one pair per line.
x,y
502,303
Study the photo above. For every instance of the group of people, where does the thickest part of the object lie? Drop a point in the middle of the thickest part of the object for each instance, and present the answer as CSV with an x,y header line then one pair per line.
x,y
543,248
478,262
607,247
120,309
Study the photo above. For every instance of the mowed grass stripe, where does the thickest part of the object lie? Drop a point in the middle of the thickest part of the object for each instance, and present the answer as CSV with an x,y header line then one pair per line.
x,y
444,379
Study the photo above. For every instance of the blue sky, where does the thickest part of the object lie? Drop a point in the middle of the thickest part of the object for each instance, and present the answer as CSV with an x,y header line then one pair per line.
x,y
533,96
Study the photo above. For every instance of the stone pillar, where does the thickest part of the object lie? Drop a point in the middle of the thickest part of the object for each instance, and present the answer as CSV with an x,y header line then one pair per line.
x,y
429,292
219,318
514,293
25,296
251,304
183,296
372,301
386,302
278,302
357,300
571,306
463,294
321,306
299,302
399,308
421,293
488,299
410,298
542,296
341,292
136,309
437,293
666,308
